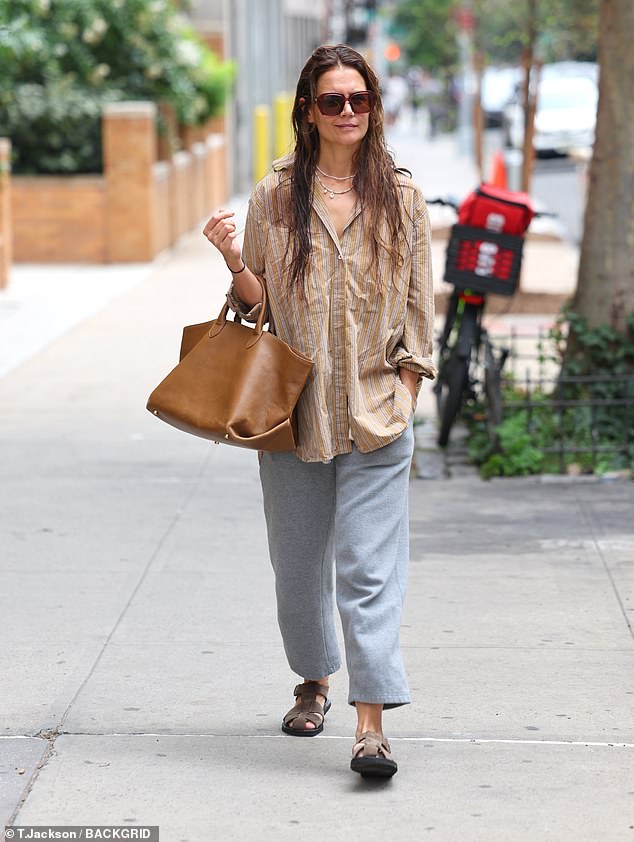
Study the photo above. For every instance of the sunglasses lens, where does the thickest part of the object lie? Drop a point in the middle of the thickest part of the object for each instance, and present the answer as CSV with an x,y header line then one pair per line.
x,y
331,105
362,102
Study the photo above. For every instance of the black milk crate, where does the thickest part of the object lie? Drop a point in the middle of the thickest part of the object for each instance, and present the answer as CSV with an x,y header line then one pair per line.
x,y
498,258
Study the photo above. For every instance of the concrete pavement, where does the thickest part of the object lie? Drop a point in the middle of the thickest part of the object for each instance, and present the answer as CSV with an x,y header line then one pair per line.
x,y
143,679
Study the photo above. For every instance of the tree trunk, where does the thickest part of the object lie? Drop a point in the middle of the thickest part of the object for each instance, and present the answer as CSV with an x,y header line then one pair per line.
x,y
478,117
528,95
605,288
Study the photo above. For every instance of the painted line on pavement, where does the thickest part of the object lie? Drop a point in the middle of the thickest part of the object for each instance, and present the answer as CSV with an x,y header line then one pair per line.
x,y
476,740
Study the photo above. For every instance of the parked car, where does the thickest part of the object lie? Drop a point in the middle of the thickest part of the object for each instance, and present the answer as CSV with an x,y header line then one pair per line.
x,y
565,118
557,69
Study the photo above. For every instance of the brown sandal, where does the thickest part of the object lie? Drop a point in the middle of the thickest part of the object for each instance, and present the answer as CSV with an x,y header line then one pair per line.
x,y
371,756
308,709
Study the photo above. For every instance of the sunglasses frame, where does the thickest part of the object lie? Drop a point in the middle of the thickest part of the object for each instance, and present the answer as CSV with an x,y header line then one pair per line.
x,y
346,99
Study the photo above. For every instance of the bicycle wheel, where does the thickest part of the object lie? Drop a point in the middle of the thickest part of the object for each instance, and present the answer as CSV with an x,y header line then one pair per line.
x,y
456,377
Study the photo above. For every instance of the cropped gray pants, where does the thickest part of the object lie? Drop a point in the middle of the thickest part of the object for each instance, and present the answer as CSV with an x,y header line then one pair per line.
x,y
349,515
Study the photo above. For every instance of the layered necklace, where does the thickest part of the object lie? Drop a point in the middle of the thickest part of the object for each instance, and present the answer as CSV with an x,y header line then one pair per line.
x,y
327,190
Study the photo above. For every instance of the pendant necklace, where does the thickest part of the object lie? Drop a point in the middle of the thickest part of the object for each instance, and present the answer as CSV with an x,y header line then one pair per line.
x,y
332,193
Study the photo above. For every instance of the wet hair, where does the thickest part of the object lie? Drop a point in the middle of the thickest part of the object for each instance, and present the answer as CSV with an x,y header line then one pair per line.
x,y
375,180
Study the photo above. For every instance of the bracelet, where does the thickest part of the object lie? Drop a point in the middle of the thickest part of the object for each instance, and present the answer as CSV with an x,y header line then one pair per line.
x,y
244,266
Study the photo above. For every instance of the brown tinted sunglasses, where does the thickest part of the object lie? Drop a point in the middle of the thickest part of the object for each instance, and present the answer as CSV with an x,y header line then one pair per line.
x,y
331,105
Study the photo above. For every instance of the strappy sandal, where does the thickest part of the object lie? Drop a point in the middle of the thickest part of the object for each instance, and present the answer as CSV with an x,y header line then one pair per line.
x,y
371,756
308,709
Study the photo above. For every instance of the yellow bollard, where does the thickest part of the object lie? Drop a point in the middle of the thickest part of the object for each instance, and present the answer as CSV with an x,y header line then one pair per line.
x,y
283,106
261,141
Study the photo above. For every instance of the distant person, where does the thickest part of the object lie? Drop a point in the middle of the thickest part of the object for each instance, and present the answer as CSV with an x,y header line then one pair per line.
x,y
435,102
394,97
415,93
341,239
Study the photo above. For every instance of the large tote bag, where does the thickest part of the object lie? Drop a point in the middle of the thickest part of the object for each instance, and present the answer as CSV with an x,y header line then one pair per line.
x,y
234,384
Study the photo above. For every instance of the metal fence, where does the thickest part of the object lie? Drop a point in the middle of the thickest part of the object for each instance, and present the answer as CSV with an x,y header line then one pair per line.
x,y
586,418
587,415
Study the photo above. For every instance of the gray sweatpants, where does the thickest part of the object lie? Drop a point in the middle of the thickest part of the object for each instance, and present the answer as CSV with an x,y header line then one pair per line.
x,y
353,510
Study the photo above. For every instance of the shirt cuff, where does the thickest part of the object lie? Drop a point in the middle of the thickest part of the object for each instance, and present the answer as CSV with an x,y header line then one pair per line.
x,y
245,311
423,366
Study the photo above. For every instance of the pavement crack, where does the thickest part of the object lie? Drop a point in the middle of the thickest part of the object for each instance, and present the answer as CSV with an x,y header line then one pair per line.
x,y
594,529
168,531
49,735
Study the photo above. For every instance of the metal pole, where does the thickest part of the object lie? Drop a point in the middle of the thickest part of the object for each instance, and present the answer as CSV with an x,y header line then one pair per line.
x,y
465,112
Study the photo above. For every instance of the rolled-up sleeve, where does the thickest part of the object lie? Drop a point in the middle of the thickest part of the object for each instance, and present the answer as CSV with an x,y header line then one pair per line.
x,y
253,257
415,347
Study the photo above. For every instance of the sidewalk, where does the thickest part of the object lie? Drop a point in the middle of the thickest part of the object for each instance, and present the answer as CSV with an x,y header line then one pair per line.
x,y
143,674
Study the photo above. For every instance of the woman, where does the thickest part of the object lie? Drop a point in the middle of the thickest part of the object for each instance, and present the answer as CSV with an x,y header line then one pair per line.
x,y
341,239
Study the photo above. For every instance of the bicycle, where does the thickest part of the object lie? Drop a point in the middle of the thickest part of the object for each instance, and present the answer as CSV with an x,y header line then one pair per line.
x,y
484,255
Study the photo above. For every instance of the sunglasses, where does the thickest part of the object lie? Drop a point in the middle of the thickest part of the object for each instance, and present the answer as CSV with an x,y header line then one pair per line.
x,y
331,105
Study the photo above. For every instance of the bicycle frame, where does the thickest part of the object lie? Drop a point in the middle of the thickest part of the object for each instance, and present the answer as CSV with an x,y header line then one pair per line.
x,y
454,382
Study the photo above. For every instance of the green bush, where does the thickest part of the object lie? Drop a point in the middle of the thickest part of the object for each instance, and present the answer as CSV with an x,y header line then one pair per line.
x,y
55,128
60,60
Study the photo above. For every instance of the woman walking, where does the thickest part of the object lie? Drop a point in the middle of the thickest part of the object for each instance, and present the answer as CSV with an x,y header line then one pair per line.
x,y
341,239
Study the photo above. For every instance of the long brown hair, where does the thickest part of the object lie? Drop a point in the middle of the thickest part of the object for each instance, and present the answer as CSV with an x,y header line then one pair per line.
x,y
375,180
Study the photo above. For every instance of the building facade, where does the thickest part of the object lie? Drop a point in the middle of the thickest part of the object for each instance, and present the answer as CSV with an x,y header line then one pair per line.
x,y
269,41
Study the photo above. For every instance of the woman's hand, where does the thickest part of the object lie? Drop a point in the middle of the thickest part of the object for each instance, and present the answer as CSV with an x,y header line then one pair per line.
x,y
409,380
221,233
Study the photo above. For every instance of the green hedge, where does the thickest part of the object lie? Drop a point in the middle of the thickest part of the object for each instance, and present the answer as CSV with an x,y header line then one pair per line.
x,y
55,129
60,60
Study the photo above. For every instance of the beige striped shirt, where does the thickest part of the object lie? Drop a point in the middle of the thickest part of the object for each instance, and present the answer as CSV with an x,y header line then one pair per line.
x,y
356,336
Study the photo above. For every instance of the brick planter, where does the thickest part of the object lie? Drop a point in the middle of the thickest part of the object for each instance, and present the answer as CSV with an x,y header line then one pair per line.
x,y
138,207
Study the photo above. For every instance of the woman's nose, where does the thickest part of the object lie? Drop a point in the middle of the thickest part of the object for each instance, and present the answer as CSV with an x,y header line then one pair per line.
x,y
347,108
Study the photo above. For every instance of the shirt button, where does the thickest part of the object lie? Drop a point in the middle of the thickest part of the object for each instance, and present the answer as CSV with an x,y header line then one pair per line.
x,y
339,257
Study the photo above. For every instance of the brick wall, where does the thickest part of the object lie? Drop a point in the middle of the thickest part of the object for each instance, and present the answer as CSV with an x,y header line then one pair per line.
x,y
139,206
59,219
5,211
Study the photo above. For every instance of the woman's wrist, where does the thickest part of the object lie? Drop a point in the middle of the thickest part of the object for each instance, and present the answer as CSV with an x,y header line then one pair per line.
x,y
237,271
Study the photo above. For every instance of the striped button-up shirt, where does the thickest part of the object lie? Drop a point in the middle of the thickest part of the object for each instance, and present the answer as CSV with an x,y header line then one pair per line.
x,y
356,335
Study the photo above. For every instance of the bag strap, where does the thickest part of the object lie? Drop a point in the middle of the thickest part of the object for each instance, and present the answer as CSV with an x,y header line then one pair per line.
x,y
221,321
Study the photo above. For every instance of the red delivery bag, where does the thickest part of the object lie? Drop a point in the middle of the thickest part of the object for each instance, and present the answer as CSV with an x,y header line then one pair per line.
x,y
501,212
497,210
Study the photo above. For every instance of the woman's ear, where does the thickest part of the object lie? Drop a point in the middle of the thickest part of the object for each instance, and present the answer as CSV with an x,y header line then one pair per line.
x,y
303,106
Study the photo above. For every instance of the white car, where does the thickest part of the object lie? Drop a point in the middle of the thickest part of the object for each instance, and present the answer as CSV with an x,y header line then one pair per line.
x,y
565,118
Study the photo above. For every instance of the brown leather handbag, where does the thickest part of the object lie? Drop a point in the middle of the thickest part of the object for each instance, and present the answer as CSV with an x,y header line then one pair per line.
x,y
234,384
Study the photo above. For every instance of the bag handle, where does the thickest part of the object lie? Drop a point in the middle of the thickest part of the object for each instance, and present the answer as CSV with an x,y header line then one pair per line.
x,y
221,321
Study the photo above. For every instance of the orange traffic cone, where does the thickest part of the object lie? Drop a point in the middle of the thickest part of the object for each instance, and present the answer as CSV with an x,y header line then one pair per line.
x,y
498,170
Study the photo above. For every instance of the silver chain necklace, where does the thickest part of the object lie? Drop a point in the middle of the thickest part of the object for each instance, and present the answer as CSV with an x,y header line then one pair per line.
x,y
335,177
332,193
